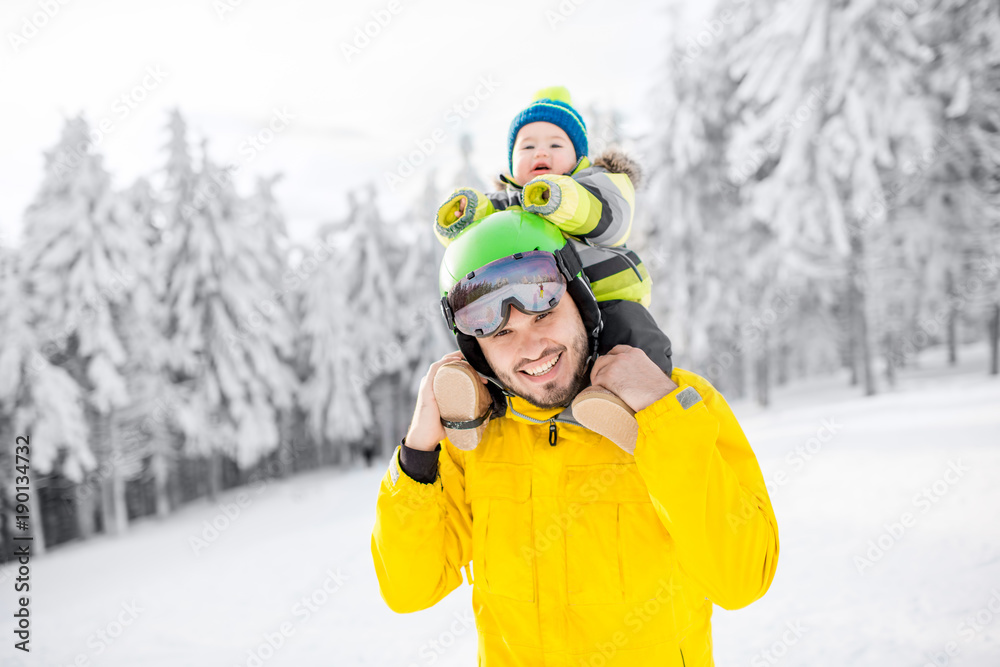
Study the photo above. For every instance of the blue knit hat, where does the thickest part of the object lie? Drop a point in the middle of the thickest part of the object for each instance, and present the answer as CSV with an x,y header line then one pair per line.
x,y
551,105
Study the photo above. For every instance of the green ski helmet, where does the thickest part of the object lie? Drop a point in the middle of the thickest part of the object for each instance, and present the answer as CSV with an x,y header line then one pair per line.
x,y
501,235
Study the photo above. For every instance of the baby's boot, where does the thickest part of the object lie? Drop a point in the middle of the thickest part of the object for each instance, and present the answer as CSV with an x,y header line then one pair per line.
x,y
603,412
464,402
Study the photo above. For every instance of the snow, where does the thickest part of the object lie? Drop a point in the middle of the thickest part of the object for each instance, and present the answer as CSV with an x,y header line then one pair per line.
x,y
215,603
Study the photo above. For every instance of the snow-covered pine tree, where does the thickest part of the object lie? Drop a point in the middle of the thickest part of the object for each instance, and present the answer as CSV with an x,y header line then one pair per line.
x,y
334,391
425,338
145,422
79,277
961,185
826,92
38,400
224,329
691,242
269,234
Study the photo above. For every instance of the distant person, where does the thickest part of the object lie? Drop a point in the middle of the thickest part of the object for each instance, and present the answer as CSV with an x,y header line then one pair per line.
x,y
552,176
582,553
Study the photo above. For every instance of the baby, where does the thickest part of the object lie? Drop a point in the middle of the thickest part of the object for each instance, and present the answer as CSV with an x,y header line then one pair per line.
x,y
592,203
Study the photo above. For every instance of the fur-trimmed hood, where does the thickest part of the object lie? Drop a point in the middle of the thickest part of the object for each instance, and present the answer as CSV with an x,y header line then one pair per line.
x,y
612,158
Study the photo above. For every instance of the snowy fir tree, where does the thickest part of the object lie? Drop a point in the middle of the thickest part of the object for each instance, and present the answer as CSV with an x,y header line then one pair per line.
x,y
227,332
334,390
81,258
827,115
38,400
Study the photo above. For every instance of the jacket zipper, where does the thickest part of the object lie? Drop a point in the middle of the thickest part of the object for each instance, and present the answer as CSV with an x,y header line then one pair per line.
x,y
553,434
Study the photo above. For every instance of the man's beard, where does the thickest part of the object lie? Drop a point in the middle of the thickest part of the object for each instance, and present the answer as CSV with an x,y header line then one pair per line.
x,y
546,396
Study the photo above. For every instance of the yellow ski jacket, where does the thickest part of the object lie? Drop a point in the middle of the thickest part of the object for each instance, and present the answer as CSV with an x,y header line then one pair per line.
x,y
582,554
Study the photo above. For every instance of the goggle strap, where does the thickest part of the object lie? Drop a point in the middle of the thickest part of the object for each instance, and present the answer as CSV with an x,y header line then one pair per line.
x,y
471,423
449,316
568,261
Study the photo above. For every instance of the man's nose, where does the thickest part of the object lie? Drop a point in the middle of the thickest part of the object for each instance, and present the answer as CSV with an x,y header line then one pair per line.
x,y
533,344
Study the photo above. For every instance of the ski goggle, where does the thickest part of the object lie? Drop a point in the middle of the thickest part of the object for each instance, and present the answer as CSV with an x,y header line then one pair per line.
x,y
479,304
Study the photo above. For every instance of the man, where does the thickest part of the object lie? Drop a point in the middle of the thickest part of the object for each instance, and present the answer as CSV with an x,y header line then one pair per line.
x,y
582,553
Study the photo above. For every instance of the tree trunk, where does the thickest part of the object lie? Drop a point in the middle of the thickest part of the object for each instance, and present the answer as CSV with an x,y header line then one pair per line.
x,y
35,524
112,485
890,361
214,475
995,341
739,379
286,460
763,377
859,285
161,476
852,329
86,497
952,319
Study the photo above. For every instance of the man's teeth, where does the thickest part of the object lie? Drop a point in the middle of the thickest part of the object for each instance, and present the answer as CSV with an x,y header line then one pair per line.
x,y
541,370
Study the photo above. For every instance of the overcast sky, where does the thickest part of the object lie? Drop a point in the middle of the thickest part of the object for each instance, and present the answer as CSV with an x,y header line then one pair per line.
x,y
346,111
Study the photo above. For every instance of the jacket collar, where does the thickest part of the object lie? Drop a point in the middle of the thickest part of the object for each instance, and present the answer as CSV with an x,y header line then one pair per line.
x,y
526,409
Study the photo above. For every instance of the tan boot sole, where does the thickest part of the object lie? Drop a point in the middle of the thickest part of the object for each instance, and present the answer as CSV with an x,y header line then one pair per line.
x,y
604,413
461,396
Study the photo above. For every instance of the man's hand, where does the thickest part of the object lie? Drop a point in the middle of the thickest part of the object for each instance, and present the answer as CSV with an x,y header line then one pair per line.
x,y
632,376
425,430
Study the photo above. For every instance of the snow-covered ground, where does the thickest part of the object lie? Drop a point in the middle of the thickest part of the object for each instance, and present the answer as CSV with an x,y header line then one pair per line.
x,y
888,507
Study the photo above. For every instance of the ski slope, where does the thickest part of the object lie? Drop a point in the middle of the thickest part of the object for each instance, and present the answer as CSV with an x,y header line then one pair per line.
x,y
889,517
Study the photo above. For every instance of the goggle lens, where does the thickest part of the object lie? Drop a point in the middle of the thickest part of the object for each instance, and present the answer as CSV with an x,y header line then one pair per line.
x,y
529,281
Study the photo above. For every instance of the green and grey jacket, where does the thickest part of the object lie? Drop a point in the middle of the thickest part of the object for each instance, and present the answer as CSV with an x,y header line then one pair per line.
x,y
593,205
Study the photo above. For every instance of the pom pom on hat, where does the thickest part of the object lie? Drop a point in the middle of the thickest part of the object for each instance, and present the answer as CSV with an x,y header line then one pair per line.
x,y
554,93
552,105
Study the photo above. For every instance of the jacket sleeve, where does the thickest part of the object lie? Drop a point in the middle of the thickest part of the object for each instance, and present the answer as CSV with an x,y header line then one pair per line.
x,y
596,205
423,534
708,490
